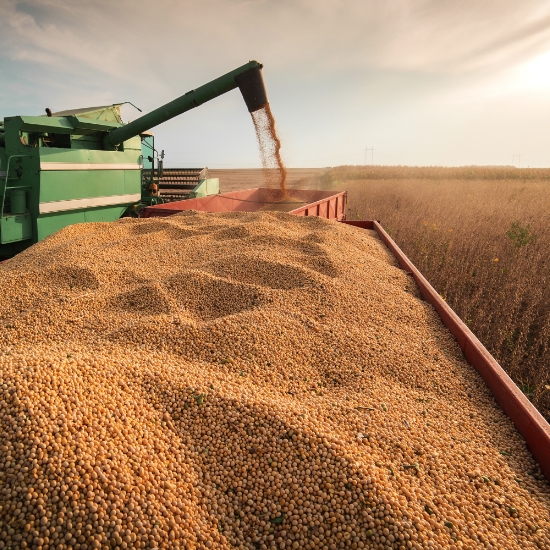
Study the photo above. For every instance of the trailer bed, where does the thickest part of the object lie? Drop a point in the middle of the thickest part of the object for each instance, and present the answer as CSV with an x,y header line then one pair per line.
x,y
300,202
528,421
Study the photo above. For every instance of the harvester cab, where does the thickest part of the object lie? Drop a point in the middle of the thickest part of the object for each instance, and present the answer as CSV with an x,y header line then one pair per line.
x,y
85,165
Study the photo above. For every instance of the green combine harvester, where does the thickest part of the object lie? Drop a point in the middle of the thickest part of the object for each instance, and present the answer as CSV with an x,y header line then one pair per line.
x,y
85,165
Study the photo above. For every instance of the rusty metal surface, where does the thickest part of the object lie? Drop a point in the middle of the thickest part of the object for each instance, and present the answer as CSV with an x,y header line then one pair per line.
x,y
526,418
332,208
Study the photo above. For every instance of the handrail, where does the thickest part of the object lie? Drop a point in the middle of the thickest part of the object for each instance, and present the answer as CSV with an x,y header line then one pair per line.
x,y
6,181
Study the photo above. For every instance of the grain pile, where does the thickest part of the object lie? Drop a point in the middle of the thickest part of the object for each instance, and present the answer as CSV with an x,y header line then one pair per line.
x,y
244,381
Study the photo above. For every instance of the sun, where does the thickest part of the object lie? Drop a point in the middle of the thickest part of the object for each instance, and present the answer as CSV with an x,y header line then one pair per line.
x,y
535,73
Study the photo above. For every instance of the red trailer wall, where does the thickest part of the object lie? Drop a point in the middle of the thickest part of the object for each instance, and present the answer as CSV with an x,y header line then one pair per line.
x,y
528,421
326,204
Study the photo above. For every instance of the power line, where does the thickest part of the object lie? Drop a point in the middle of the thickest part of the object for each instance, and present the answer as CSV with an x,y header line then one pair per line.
x,y
371,149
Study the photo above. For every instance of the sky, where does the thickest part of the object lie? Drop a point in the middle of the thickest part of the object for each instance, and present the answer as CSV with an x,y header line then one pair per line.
x,y
422,82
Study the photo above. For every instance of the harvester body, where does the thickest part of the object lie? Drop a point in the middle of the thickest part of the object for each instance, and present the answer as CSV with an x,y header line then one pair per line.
x,y
85,165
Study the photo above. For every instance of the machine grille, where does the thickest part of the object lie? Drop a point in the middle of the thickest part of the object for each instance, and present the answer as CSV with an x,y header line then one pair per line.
x,y
176,183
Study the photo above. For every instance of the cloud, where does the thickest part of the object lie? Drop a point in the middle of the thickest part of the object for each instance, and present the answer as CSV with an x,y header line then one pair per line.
x,y
425,35
51,34
345,67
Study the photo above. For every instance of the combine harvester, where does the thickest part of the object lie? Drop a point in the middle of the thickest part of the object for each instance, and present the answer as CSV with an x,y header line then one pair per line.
x,y
84,165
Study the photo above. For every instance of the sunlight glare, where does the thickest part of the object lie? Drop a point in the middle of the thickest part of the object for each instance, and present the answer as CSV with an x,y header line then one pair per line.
x,y
535,73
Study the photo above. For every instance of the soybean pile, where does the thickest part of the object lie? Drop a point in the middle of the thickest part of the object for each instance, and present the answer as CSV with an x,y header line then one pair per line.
x,y
244,381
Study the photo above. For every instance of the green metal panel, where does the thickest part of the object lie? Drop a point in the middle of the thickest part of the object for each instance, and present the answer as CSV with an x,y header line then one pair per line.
x,y
109,113
210,186
15,228
83,123
13,144
132,181
27,166
65,155
130,154
133,144
18,201
61,125
58,125
147,150
68,184
86,142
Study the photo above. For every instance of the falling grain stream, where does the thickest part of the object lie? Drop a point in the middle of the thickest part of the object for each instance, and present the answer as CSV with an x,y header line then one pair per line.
x,y
270,148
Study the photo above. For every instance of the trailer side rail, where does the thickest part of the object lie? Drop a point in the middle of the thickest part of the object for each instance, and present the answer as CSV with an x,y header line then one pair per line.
x,y
527,419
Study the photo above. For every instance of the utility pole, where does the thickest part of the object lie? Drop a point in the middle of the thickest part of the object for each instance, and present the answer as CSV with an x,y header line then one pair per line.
x,y
371,149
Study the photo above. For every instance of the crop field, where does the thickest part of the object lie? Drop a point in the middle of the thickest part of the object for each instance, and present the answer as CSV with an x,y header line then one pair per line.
x,y
481,236
246,178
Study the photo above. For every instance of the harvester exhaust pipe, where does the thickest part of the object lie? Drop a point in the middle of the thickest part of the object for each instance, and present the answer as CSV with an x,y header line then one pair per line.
x,y
247,78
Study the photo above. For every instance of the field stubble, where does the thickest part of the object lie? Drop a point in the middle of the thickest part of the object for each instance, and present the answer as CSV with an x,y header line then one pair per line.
x,y
482,238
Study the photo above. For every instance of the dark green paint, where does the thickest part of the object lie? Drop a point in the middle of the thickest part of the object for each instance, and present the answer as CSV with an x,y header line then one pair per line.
x,y
15,228
184,103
